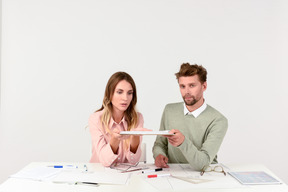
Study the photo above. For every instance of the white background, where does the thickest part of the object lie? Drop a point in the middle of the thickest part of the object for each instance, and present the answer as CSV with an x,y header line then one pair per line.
x,y
57,56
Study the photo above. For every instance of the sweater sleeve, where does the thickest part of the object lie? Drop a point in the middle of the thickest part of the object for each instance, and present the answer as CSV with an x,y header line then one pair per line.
x,y
161,143
203,156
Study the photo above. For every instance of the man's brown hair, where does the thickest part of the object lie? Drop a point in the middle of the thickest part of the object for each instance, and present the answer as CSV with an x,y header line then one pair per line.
x,y
190,70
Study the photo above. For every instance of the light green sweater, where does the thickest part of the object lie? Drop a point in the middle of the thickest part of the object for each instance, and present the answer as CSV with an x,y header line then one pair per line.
x,y
203,136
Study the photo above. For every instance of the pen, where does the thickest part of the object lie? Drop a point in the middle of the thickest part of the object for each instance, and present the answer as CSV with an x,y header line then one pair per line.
x,y
86,183
132,170
152,170
159,175
77,183
63,166
86,168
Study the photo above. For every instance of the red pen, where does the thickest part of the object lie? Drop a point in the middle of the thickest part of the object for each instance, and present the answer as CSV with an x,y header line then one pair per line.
x,y
159,175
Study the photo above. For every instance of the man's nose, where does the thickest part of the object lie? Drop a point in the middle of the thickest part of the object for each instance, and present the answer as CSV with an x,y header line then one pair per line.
x,y
187,90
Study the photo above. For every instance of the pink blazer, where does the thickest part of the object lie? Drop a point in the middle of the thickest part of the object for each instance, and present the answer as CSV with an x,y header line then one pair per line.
x,y
101,149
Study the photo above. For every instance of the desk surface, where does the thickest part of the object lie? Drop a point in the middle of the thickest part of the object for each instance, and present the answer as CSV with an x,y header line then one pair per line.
x,y
140,182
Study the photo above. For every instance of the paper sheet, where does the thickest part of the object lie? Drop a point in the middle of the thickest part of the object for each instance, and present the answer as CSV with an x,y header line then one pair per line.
x,y
38,173
102,177
194,180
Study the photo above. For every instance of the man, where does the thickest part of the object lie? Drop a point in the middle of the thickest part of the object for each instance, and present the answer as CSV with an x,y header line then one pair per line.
x,y
198,128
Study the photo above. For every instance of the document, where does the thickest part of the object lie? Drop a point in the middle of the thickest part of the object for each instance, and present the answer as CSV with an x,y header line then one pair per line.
x,y
100,177
184,178
145,133
38,173
254,178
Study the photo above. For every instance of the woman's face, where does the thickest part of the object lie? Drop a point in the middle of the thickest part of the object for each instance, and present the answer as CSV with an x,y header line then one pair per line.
x,y
122,96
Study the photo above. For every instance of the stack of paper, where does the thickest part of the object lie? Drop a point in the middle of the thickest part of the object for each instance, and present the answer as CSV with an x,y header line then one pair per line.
x,y
254,178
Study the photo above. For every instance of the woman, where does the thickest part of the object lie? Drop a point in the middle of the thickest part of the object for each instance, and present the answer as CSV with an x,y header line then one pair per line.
x,y
116,114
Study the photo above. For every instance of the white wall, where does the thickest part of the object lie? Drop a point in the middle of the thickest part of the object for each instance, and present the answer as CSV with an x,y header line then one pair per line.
x,y
57,56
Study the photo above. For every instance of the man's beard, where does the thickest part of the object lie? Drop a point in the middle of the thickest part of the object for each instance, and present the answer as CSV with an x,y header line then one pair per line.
x,y
190,103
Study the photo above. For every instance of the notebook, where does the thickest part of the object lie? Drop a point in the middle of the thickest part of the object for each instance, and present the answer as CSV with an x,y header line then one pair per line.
x,y
254,178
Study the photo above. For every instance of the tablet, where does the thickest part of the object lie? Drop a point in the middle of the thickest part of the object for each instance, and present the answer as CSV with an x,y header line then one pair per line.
x,y
146,133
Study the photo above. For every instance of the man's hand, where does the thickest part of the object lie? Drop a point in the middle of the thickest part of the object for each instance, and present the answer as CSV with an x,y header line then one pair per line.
x,y
177,139
161,161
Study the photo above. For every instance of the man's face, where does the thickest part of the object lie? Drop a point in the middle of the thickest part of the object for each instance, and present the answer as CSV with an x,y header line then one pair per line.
x,y
191,89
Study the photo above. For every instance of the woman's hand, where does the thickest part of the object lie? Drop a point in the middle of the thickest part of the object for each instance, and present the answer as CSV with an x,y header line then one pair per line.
x,y
135,139
115,139
116,135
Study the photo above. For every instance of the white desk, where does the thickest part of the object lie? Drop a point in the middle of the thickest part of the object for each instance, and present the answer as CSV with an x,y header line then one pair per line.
x,y
140,182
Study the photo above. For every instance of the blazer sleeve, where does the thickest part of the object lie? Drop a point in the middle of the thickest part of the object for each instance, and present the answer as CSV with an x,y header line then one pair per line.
x,y
101,149
135,157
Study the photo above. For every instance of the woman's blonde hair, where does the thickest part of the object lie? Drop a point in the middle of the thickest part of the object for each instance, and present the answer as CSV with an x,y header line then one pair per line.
x,y
130,114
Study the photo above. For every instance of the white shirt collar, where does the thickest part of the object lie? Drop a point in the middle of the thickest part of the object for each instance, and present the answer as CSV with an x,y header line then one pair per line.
x,y
196,112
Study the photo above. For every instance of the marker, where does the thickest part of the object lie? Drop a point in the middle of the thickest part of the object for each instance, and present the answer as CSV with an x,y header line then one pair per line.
x,y
63,166
159,175
153,170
